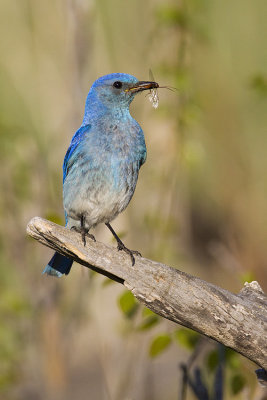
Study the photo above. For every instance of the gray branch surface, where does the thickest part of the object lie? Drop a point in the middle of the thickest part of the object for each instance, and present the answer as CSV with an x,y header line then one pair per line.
x,y
238,321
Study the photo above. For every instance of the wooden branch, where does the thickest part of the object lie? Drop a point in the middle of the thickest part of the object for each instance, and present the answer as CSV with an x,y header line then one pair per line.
x,y
238,321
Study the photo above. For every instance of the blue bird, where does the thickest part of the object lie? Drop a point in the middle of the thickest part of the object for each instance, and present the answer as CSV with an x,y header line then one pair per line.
x,y
102,163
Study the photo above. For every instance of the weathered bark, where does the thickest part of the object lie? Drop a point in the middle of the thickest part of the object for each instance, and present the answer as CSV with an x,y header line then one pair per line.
x,y
238,321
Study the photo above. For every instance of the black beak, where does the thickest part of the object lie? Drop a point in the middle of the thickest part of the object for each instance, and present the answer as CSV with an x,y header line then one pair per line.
x,y
142,85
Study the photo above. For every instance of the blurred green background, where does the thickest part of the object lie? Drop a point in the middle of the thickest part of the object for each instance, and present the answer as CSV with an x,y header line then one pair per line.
x,y
200,203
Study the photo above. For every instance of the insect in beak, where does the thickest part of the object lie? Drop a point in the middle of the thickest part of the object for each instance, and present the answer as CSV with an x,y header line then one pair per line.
x,y
141,86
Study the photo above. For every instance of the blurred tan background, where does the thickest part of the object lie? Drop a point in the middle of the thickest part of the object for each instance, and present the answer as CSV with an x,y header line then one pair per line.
x,y
200,203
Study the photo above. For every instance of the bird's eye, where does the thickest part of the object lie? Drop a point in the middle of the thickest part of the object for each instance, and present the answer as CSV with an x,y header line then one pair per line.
x,y
117,84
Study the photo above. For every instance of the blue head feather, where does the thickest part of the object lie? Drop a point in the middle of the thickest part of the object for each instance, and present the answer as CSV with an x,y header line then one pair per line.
x,y
104,98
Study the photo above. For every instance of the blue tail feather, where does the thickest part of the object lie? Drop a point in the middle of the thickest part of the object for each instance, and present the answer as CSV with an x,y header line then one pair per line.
x,y
58,266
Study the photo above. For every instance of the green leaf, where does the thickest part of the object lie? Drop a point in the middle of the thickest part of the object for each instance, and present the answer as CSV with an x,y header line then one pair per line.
x,y
186,338
148,322
232,359
172,16
146,312
212,360
237,383
258,82
159,344
107,282
128,304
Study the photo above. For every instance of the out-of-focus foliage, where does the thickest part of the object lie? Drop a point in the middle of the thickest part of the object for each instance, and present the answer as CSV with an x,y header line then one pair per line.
x,y
187,338
259,84
149,319
159,344
128,304
238,383
200,203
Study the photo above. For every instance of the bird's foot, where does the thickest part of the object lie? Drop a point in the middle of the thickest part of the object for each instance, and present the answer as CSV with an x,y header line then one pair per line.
x,y
84,232
121,246
131,253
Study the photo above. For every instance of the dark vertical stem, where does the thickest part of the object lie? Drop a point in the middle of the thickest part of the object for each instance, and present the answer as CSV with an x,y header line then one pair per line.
x,y
219,378
186,367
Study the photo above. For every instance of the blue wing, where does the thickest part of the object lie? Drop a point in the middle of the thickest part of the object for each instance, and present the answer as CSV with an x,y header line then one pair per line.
x,y
74,143
59,265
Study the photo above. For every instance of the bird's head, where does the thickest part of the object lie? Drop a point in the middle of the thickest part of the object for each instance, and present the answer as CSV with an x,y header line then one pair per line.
x,y
118,90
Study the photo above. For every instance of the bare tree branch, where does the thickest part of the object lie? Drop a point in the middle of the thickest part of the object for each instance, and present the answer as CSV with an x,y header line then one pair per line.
x,y
238,321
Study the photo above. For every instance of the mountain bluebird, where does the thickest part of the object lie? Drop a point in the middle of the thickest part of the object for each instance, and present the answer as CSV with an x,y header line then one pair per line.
x,y
102,163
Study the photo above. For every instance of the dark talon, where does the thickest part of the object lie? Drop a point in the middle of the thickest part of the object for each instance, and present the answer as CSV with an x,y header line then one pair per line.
x,y
91,236
83,231
83,237
137,253
121,246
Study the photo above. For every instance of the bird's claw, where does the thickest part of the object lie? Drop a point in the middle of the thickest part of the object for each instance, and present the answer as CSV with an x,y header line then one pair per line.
x,y
131,253
90,236
84,232
137,253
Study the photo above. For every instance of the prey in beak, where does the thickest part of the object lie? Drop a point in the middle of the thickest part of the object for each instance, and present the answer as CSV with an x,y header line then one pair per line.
x,y
141,86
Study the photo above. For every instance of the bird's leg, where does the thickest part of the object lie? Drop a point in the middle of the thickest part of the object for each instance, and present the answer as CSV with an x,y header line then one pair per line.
x,y
83,231
121,246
